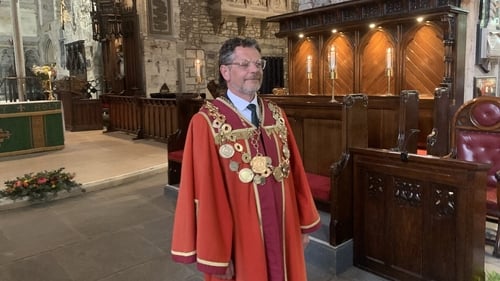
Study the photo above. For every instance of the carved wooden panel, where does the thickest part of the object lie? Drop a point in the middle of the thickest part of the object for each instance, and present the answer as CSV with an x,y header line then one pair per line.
x,y
75,59
417,219
373,64
348,13
321,139
423,66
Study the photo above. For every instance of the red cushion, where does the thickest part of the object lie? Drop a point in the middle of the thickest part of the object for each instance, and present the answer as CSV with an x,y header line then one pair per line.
x,y
421,152
320,186
480,147
175,155
491,196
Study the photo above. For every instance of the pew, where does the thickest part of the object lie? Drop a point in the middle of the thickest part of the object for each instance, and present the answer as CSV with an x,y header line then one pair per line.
x,y
437,142
324,131
393,121
390,122
418,217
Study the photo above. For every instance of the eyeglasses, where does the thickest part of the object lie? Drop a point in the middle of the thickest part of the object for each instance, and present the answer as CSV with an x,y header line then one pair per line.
x,y
261,63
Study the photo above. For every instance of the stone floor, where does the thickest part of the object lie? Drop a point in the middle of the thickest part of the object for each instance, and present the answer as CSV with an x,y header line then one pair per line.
x,y
114,234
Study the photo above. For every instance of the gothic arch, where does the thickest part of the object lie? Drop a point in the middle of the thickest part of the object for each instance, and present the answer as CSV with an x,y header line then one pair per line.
x,y
344,49
48,53
373,62
422,48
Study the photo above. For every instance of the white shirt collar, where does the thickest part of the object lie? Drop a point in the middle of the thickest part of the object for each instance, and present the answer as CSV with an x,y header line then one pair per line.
x,y
240,103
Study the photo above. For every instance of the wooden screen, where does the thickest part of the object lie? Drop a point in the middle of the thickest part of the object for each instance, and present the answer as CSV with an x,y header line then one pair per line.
x,y
373,65
423,66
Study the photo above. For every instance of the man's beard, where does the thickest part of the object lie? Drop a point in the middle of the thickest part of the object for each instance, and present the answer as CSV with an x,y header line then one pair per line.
x,y
251,89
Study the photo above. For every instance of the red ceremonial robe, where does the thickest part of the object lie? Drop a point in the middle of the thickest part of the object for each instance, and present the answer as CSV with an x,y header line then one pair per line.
x,y
227,210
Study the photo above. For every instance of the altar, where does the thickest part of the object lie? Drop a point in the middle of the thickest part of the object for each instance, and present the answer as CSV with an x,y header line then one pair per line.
x,y
28,127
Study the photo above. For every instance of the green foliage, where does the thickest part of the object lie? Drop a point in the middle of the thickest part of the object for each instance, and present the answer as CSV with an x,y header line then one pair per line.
x,y
39,186
492,276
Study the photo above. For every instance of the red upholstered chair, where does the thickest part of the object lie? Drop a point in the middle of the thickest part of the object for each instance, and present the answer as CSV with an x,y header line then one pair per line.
x,y
475,136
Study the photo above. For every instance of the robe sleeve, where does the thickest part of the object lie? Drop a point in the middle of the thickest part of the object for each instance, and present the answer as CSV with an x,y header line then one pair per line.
x,y
308,214
203,225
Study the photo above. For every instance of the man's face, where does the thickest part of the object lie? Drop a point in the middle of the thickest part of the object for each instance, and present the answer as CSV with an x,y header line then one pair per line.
x,y
244,75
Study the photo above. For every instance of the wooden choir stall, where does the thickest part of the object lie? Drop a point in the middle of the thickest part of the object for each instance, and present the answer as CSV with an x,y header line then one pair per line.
x,y
391,52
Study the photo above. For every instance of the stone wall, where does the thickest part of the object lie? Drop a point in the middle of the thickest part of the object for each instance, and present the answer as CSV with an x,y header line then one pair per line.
x,y
197,29
198,34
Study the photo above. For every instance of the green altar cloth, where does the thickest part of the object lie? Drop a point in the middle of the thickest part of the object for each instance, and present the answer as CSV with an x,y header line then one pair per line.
x,y
27,127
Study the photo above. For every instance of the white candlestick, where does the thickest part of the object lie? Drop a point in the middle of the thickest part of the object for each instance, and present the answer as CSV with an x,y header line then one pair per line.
x,y
198,68
333,55
309,64
389,58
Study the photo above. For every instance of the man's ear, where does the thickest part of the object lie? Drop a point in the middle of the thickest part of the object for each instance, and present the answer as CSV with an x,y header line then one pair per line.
x,y
225,72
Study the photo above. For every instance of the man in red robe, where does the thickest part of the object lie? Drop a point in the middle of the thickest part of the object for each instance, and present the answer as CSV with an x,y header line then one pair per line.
x,y
245,207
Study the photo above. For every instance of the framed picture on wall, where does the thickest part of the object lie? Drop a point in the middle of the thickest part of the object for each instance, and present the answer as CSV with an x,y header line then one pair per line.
x,y
485,86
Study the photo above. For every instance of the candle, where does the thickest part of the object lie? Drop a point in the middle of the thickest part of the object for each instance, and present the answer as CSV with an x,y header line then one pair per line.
x,y
333,55
309,64
198,68
389,58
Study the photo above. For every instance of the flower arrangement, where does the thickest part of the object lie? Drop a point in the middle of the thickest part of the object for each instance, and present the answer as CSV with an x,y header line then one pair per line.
x,y
40,186
45,72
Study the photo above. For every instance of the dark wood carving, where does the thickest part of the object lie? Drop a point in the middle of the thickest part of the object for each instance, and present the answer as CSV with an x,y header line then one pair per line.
x,y
438,139
159,21
417,220
116,27
426,54
76,61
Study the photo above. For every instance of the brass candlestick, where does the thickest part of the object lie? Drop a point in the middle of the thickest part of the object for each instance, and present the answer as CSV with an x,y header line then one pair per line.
x,y
309,77
50,92
388,73
333,76
198,84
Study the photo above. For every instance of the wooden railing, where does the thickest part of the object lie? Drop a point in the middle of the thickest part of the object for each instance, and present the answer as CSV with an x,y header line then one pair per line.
x,y
145,117
9,89
80,114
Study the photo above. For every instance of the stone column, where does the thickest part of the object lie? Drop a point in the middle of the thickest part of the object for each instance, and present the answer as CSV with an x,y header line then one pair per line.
x,y
18,49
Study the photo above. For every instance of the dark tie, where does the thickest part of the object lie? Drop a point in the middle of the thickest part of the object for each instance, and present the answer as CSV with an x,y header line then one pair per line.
x,y
255,119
